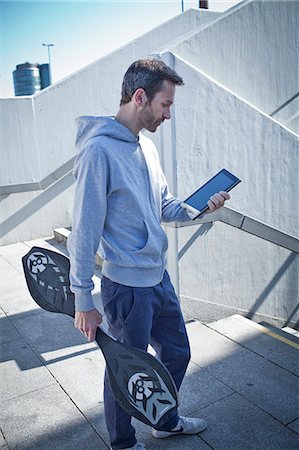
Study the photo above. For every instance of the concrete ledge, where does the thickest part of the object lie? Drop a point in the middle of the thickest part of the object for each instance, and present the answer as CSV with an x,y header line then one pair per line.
x,y
205,312
245,223
61,235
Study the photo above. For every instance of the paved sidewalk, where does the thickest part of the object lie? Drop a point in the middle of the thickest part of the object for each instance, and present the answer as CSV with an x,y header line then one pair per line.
x,y
243,381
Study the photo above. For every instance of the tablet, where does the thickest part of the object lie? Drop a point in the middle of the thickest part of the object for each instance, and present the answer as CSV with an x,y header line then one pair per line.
x,y
222,181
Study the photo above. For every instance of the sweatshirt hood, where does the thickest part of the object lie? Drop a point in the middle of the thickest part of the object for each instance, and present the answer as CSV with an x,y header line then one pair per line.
x,y
93,126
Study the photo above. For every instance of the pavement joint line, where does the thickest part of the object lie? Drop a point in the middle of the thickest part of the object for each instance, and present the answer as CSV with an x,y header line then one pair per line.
x,y
251,350
237,342
205,441
218,379
11,265
4,438
215,401
269,332
59,384
41,359
76,406
25,314
265,411
56,382
61,387
92,426
11,341
26,393
239,392
292,421
70,355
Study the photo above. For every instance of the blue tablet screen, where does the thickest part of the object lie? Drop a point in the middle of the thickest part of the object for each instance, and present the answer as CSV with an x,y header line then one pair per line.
x,y
222,181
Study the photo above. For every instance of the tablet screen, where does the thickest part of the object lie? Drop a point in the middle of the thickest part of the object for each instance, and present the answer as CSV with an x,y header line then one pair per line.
x,y
222,181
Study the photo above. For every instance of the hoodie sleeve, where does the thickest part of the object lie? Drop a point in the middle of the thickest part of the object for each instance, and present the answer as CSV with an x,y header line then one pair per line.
x,y
171,208
89,212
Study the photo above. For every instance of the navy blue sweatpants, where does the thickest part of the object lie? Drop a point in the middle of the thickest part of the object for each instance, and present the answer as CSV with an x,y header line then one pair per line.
x,y
139,317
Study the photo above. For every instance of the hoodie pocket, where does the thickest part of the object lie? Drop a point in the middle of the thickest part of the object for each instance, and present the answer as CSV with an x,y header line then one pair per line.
x,y
146,243
149,256
143,248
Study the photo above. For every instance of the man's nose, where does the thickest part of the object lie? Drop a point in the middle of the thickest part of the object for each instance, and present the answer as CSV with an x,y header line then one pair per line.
x,y
166,115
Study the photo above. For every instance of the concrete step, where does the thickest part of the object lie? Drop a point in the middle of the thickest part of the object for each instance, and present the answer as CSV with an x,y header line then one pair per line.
x,y
61,235
259,365
266,340
285,332
291,331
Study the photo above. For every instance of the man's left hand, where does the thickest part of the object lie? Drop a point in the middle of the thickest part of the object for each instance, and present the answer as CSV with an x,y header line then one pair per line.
x,y
217,200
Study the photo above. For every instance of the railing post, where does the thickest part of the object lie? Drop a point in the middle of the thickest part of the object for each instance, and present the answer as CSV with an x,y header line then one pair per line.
x,y
168,156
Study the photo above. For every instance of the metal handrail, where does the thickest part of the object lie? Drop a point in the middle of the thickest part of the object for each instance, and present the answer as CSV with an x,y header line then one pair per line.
x,y
226,215
286,103
245,223
39,185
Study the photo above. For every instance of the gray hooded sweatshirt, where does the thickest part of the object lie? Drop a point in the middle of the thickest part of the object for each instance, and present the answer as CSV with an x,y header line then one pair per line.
x,y
121,198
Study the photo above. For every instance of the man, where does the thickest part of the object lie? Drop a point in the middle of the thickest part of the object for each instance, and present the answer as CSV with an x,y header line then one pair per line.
x,y
121,198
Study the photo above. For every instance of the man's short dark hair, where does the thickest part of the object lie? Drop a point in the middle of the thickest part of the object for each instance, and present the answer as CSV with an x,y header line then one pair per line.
x,y
149,75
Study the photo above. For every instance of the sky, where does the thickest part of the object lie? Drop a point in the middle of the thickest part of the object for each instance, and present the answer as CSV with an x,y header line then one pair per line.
x,y
81,31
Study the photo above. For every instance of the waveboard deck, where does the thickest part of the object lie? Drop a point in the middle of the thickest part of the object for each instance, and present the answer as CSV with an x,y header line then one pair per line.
x,y
141,384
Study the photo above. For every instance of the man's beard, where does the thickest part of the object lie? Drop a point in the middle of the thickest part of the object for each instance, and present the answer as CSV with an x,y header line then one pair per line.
x,y
148,121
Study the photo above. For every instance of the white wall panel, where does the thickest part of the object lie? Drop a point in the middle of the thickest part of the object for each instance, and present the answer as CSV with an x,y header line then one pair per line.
x,y
252,50
18,145
227,269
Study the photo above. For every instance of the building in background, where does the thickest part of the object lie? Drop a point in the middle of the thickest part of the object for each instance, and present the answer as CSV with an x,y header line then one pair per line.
x,y
30,78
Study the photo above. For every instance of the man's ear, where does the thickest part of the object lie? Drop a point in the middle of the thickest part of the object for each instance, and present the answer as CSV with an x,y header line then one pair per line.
x,y
140,97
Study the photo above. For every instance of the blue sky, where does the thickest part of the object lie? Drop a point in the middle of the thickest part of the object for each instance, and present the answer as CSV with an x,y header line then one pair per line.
x,y
82,31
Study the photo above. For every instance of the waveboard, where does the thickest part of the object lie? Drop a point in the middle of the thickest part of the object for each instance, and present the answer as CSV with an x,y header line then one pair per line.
x,y
141,384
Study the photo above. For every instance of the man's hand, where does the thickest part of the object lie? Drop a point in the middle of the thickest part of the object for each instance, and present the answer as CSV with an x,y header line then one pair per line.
x,y
217,200
87,322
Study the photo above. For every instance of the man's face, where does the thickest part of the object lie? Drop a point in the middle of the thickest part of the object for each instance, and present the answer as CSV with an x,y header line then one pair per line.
x,y
152,115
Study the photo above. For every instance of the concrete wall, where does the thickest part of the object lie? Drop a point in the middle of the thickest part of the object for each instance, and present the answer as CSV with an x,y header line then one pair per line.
x,y
29,215
226,270
18,144
252,50
39,132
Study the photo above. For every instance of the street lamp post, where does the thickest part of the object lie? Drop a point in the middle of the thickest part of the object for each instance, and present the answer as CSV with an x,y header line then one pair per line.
x,y
49,58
